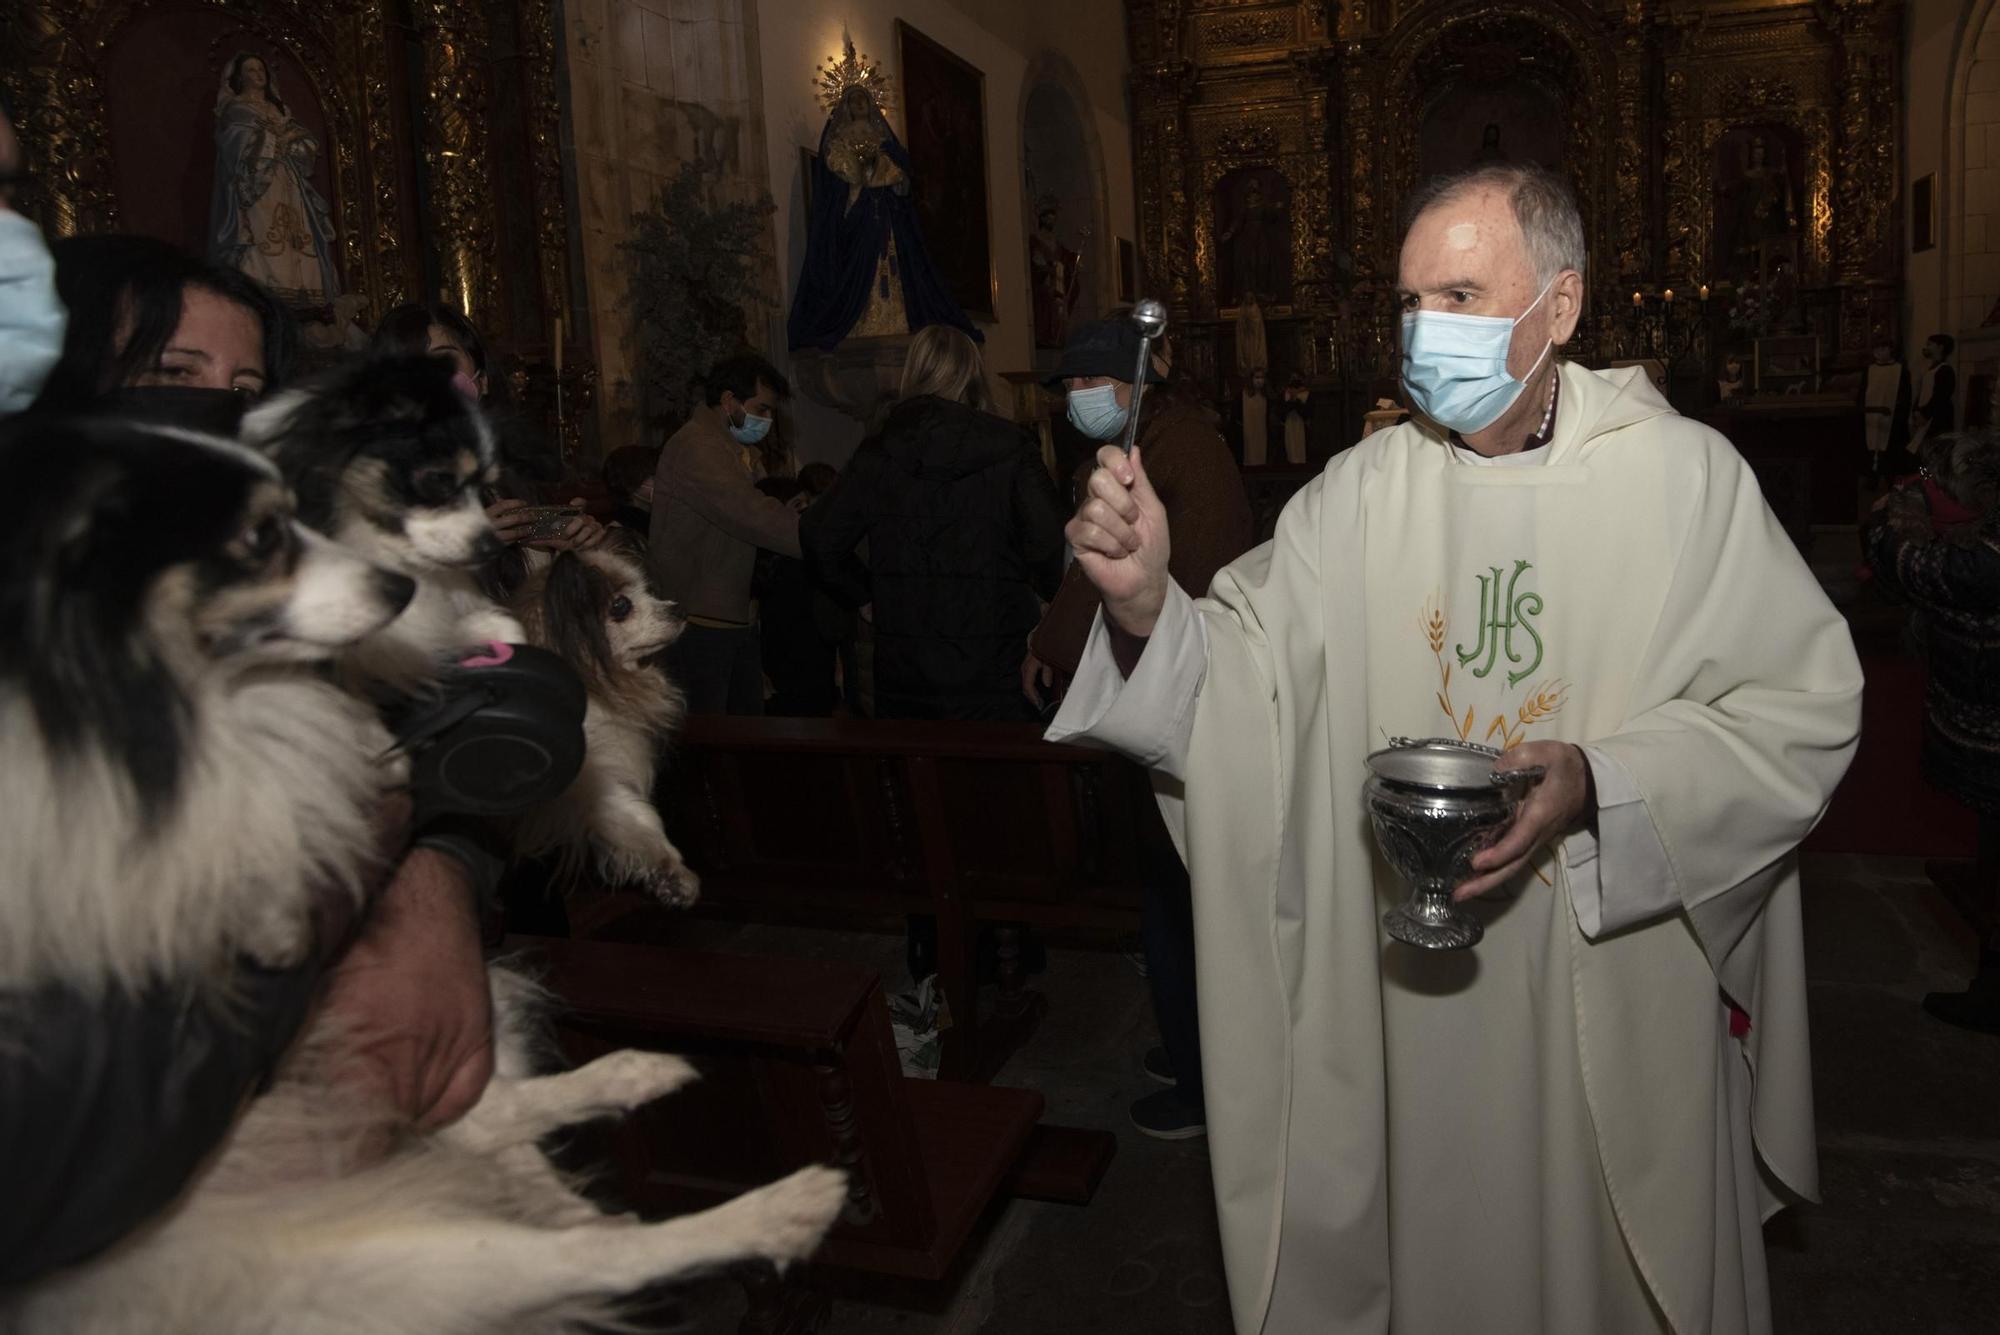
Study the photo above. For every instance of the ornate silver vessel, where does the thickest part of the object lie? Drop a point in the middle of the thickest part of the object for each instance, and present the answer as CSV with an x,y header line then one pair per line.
x,y
1433,803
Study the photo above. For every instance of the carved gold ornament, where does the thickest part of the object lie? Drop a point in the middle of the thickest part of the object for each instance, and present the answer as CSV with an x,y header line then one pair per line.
x,y
853,71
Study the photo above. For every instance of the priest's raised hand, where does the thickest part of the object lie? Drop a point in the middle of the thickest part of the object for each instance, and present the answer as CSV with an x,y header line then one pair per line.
x,y
1120,537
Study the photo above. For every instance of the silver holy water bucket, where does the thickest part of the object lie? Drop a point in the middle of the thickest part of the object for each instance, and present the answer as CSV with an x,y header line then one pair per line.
x,y
1433,803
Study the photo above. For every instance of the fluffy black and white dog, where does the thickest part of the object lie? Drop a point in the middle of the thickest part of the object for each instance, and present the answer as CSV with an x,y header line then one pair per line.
x,y
174,788
179,782
388,458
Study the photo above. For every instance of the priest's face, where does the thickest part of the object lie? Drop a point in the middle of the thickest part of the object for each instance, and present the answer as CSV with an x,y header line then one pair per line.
x,y
1466,255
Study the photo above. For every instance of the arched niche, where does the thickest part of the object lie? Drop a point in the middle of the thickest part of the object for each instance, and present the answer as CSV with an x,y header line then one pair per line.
x,y
1062,159
1969,204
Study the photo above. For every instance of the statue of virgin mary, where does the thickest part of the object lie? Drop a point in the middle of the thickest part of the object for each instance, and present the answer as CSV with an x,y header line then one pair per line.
x,y
265,218
866,271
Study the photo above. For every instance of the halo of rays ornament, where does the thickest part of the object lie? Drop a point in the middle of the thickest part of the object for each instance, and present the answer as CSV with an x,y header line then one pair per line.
x,y
853,71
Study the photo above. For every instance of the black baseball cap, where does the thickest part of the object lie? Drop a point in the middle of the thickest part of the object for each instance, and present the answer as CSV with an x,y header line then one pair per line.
x,y
1102,347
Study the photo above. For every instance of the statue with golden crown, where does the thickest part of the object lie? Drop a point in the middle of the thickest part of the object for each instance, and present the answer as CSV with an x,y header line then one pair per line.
x,y
866,273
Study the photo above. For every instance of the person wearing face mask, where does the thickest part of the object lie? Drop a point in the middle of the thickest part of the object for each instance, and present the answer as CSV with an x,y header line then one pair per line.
x,y
708,523
1202,491
159,333
1578,1124
31,316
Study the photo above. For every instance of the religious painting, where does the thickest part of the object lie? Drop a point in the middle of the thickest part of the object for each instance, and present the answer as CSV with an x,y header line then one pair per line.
x,y
1788,364
1253,237
1758,198
265,216
1473,124
944,108
221,144
1923,213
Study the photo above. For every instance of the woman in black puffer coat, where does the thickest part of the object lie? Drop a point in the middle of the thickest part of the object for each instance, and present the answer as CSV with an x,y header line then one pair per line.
x,y
1937,544
964,541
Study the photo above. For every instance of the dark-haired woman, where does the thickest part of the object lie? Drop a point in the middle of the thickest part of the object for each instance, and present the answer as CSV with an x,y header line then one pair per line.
x,y
145,314
436,330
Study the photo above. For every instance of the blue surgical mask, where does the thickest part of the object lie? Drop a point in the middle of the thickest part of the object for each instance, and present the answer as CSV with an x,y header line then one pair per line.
x,y
1097,412
751,429
32,318
1455,366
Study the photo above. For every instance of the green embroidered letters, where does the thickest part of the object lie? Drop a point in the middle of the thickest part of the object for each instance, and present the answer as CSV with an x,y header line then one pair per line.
x,y
1500,615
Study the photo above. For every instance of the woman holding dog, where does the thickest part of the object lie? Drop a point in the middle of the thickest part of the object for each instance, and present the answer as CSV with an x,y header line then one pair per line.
x,y
1936,542
91,1146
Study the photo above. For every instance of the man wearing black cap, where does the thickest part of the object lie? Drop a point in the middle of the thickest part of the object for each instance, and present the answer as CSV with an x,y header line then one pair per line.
x,y
1198,483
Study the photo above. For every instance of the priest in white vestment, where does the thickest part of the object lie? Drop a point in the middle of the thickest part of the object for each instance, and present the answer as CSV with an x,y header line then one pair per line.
x,y
1577,1126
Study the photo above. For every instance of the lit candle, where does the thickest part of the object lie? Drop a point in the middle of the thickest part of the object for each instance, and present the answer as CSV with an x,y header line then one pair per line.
x,y
1703,294
1638,299
1668,295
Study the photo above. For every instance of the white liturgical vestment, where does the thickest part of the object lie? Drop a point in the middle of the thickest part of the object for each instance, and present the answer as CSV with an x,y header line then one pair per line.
x,y
1577,1126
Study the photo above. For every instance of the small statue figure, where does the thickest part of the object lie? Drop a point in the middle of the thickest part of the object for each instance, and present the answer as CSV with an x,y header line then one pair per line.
x,y
867,272
1729,385
1053,269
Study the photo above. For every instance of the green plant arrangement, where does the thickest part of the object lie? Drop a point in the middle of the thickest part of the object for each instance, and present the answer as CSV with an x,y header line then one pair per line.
x,y
699,267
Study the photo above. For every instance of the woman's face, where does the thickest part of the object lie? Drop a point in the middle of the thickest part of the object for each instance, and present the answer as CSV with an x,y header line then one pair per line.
x,y
443,344
254,75
217,345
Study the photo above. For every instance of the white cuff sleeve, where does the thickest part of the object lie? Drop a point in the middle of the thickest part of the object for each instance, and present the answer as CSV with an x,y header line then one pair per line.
x,y
1620,877
1150,715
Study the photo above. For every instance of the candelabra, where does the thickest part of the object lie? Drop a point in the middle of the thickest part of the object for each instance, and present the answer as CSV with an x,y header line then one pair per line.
x,y
1668,327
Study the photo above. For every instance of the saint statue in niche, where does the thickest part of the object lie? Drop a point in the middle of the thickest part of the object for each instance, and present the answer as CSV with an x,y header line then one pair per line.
x,y
866,273
1760,204
1255,241
1052,268
265,217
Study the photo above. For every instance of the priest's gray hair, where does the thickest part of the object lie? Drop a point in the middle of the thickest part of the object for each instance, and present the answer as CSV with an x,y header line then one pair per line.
x,y
1544,206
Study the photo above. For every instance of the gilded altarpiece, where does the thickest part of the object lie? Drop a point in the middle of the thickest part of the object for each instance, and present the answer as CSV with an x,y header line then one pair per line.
x,y
1631,100
416,191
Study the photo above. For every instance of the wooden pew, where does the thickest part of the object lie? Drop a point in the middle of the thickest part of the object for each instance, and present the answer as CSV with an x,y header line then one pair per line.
x,y
799,1066
972,823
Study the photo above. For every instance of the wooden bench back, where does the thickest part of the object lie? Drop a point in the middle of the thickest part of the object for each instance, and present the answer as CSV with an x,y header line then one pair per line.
x,y
879,816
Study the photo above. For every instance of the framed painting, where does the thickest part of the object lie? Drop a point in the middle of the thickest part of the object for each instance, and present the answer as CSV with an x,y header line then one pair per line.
x,y
944,114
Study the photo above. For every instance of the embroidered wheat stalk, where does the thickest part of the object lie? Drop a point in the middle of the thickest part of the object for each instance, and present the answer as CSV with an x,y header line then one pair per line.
x,y
1432,623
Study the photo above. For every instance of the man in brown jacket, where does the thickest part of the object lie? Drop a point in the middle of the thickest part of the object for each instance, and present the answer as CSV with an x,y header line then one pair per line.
x,y
708,521
1209,515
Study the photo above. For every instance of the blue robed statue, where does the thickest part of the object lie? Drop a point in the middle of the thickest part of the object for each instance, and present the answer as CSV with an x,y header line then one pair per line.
x,y
265,217
867,273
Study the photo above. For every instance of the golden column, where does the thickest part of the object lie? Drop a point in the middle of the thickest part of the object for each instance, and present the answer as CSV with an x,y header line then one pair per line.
x,y
461,193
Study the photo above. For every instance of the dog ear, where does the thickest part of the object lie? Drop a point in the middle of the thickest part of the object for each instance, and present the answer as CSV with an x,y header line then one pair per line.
x,y
574,598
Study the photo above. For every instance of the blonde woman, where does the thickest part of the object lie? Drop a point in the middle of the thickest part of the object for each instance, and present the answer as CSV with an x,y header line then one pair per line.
x,y
964,540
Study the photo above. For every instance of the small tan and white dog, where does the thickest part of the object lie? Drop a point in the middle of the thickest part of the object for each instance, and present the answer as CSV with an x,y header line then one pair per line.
x,y
595,610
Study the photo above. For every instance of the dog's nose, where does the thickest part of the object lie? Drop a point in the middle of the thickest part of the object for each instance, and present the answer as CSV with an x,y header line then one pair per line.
x,y
487,548
394,590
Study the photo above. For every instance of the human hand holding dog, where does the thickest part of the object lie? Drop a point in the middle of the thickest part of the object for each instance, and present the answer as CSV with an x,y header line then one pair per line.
x,y
413,995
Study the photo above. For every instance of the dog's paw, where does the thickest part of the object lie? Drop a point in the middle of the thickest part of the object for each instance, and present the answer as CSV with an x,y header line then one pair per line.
x,y
789,1217
672,883
629,1078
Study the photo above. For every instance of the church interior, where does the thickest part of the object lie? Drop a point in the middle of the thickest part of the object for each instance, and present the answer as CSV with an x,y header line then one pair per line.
x,y
926,949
